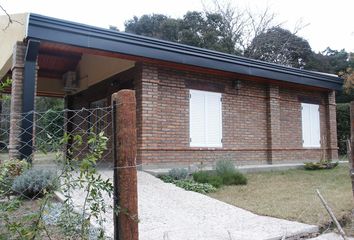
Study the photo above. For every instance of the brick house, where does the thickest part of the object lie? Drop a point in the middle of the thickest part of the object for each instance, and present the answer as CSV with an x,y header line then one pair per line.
x,y
193,104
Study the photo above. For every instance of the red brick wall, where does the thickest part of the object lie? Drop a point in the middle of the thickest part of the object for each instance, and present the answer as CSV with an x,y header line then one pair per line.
x,y
261,123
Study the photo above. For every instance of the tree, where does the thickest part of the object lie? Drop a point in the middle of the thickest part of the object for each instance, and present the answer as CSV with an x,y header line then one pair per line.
x,y
155,25
205,30
221,27
242,25
330,61
336,62
278,45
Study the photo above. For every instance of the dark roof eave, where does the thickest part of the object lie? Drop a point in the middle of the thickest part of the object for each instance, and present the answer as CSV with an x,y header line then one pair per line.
x,y
55,30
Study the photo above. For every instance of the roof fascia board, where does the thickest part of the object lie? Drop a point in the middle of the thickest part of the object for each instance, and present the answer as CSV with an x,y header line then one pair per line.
x,y
55,30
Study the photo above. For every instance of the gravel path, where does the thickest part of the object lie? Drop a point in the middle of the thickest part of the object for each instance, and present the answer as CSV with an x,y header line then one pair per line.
x,y
167,212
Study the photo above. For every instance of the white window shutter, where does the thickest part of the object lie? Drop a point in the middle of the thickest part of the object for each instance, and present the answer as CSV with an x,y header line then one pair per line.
x,y
315,126
197,123
205,119
310,125
213,118
306,128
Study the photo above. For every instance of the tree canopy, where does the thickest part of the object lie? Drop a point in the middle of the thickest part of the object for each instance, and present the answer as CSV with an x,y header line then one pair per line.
x,y
330,61
278,45
205,30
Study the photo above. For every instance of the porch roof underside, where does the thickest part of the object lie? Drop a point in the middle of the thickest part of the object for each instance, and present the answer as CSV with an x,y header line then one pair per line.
x,y
80,35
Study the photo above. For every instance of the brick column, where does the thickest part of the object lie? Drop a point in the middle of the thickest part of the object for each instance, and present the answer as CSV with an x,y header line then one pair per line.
x,y
332,152
16,99
16,108
146,87
273,121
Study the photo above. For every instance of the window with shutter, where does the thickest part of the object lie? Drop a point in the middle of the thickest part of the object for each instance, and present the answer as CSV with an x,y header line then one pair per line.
x,y
310,125
205,119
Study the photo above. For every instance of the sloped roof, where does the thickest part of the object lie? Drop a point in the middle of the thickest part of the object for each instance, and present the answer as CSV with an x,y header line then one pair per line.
x,y
81,35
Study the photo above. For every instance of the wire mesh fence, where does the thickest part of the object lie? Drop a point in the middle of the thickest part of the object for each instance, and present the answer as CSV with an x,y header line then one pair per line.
x,y
49,128
71,150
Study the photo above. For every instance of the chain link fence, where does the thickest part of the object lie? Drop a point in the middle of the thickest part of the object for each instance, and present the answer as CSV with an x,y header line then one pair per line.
x,y
73,151
49,129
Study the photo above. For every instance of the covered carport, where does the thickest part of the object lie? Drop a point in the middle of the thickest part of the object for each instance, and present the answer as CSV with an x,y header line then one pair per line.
x,y
38,67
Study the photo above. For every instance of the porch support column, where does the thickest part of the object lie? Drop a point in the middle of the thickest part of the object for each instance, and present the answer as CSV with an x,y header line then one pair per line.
x,y
332,152
28,97
273,121
16,99
147,94
23,91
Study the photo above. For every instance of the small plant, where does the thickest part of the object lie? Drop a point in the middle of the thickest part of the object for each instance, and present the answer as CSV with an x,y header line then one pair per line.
x,y
178,173
324,163
320,165
166,178
224,166
35,183
208,177
225,174
201,176
9,170
229,174
233,178
191,185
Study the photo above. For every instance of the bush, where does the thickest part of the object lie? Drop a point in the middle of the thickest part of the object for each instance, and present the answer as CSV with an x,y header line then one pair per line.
x,y
217,180
166,178
190,185
343,126
233,178
225,174
8,171
35,183
178,173
201,176
224,166
320,165
208,177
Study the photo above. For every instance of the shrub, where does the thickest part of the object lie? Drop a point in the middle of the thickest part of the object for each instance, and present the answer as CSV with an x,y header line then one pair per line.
x,y
201,176
178,173
166,178
343,126
35,183
190,185
227,178
224,166
233,178
8,171
320,165
208,177
228,173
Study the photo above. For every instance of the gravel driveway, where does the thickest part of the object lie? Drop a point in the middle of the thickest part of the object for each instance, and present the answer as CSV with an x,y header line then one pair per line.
x,y
167,212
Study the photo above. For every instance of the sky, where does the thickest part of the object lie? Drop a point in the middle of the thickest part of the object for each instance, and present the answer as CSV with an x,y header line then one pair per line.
x,y
330,22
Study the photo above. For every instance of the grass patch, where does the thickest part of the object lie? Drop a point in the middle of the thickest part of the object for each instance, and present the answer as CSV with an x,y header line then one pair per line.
x,y
291,194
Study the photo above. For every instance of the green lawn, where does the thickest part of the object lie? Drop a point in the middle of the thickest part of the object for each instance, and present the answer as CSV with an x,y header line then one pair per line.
x,y
291,194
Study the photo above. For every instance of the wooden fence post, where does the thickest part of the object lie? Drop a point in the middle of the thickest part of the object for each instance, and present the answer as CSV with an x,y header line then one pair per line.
x,y
126,226
351,159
